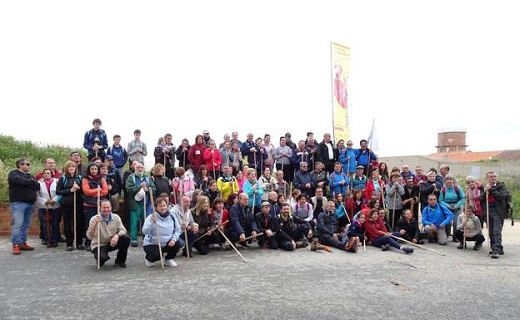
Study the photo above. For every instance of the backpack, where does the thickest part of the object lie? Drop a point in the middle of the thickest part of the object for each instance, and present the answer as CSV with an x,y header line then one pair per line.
x,y
443,190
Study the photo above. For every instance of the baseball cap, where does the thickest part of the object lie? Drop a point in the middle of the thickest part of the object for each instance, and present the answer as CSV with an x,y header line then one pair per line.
x,y
109,157
265,203
360,167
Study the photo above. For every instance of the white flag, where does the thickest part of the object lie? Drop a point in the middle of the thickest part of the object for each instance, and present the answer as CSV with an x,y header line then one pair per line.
x,y
373,144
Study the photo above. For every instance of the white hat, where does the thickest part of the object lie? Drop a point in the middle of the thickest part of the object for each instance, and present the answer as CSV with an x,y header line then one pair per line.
x,y
140,195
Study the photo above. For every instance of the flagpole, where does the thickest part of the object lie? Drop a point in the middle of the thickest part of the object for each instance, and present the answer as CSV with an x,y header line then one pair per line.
x,y
332,95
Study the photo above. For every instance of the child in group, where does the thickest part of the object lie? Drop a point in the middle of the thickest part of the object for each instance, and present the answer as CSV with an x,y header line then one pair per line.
x,y
356,231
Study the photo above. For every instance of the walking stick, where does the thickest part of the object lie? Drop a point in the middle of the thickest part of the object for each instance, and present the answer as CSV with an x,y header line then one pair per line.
x,y
393,210
346,213
416,244
74,219
251,237
98,232
186,244
364,245
222,233
487,222
211,230
465,223
157,231
213,166
419,213
48,219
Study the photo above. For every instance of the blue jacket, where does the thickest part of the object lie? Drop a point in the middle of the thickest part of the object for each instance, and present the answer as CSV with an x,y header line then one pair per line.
x,y
256,197
348,160
365,157
241,219
437,215
89,140
119,154
327,223
335,179
169,229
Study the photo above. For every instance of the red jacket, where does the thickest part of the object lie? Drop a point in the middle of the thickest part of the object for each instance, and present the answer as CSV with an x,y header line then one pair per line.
x,y
369,188
372,229
215,157
196,156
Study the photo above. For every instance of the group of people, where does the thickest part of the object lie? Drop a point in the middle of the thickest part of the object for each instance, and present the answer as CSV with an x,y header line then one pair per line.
x,y
199,196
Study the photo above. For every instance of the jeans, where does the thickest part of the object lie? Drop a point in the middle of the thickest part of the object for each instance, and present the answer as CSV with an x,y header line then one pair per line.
x,y
54,225
384,240
21,214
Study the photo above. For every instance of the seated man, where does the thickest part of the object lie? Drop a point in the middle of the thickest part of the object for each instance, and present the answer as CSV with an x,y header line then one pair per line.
x,y
242,223
435,218
112,235
183,214
468,225
289,235
267,225
328,230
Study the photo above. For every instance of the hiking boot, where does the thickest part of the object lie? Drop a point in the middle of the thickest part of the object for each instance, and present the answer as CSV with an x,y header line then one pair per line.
x,y
26,247
16,249
148,263
460,246
133,244
80,247
385,247
244,245
494,255
44,242
351,243
407,250
70,248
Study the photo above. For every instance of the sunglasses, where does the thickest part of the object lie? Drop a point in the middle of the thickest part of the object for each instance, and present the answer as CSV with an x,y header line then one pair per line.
x,y
26,164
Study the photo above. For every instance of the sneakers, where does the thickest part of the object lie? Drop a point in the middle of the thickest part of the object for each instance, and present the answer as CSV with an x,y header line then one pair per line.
x,y
133,244
80,247
170,263
16,250
88,248
315,245
70,248
460,246
385,247
494,255
407,250
26,247
148,263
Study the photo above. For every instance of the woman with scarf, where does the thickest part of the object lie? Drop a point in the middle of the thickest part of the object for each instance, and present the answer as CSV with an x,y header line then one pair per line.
x,y
92,186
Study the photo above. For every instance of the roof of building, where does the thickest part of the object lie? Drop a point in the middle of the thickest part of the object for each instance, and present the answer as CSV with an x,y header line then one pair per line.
x,y
469,156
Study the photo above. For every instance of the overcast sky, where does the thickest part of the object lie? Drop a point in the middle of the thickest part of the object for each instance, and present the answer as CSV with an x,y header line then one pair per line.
x,y
180,67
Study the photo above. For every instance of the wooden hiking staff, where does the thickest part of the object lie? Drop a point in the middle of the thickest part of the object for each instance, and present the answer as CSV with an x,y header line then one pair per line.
x,y
186,244
346,213
48,219
232,245
74,219
419,213
256,236
416,244
364,245
157,230
393,210
487,222
211,230
464,220
98,231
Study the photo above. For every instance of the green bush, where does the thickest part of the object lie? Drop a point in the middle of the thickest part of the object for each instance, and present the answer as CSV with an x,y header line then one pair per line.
x,y
12,150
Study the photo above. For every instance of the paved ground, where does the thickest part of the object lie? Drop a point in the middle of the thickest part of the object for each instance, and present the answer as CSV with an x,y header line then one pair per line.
x,y
55,284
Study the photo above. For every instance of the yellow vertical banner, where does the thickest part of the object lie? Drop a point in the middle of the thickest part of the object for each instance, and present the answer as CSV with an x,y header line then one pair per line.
x,y
340,64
